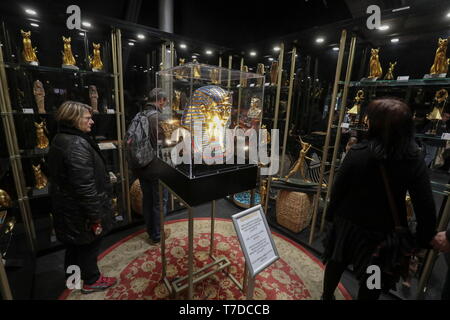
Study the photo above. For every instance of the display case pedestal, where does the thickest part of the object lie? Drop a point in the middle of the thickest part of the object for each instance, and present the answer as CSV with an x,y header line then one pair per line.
x,y
192,192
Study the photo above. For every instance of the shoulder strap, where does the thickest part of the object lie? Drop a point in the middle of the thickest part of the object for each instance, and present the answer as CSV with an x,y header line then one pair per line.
x,y
394,210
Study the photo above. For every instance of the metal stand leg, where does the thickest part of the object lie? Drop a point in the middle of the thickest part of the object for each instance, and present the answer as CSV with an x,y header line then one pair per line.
x,y
163,235
5,290
213,213
191,254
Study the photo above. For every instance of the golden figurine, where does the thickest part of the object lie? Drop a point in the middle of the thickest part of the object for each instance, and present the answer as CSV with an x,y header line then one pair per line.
x,y
96,62
299,165
260,71
39,95
29,53
274,73
42,140
176,101
180,73
440,64
93,96
5,199
10,225
390,74
359,98
254,113
244,69
68,59
375,67
263,191
439,102
196,71
40,178
214,75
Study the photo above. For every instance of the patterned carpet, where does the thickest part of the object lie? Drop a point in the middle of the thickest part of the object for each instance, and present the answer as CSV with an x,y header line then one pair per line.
x,y
297,275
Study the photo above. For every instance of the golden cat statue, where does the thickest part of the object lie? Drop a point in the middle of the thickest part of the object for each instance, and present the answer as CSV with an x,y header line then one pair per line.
x,y
440,64
68,59
29,53
42,140
96,62
375,67
40,178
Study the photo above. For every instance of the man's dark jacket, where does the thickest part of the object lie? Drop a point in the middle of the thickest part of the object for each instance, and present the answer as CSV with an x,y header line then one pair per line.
x,y
79,186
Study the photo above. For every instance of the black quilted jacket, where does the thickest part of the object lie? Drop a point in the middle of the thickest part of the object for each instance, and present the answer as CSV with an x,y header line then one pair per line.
x,y
79,185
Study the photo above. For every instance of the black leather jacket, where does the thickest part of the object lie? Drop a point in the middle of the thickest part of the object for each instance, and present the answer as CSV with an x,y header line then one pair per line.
x,y
79,186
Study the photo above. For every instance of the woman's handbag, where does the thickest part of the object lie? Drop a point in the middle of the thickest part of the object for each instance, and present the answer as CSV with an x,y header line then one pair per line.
x,y
393,255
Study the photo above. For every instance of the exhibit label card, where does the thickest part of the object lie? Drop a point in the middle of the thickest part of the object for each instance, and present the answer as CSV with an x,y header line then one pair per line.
x,y
255,239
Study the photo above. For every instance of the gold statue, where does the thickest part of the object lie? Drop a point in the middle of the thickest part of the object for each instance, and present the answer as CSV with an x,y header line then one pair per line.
x,y
260,71
359,98
29,53
375,67
254,113
196,71
10,225
214,75
390,74
93,96
243,77
40,178
440,100
176,101
274,73
42,140
96,62
39,95
68,59
263,191
299,165
5,199
440,64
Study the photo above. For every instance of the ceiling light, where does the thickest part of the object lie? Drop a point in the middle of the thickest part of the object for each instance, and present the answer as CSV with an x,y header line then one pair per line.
x,y
395,40
183,46
31,11
168,51
335,48
86,24
383,28
448,15
270,59
320,40
131,43
34,24
401,9
208,52
141,36
194,57
82,34
276,48
253,53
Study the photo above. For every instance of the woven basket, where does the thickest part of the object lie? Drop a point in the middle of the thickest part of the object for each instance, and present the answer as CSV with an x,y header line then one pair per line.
x,y
294,210
136,196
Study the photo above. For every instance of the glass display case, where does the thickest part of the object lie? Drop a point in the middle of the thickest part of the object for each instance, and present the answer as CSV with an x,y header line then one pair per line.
x,y
212,119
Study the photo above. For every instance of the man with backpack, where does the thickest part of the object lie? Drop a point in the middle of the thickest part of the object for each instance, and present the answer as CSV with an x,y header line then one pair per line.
x,y
142,145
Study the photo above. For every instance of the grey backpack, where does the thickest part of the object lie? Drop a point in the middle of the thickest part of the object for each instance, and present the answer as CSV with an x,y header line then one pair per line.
x,y
139,149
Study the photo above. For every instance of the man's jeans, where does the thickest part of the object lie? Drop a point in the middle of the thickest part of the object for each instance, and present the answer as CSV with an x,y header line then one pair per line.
x,y
150,207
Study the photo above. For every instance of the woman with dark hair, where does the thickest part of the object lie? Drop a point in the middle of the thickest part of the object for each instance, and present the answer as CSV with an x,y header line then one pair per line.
x,y
81,193
360,209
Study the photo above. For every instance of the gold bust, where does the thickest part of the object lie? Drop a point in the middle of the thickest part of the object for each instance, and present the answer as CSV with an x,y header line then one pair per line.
x,y
5,199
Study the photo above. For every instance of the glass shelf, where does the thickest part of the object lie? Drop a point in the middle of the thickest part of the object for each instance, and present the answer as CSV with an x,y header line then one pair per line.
x,y
16,66
395,83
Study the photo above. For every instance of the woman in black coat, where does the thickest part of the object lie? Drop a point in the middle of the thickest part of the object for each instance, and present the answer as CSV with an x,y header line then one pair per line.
x,y
359,207
81,193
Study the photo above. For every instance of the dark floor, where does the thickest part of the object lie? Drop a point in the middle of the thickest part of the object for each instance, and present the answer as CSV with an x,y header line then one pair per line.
x,y
49,281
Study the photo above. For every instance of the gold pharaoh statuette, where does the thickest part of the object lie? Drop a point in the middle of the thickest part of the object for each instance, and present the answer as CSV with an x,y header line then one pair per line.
x,y
390,74
440,64
299,165
39,177
196,71
29,53
374,66
5,199
39,95
96,62
274,73
359,98
263,191
260,71
42,140
68,58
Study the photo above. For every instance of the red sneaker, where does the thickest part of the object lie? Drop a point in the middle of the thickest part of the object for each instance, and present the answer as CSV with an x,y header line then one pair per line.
x,y
101,284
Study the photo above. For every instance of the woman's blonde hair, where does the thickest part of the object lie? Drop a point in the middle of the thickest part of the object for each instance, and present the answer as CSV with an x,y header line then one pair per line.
x,y
70,113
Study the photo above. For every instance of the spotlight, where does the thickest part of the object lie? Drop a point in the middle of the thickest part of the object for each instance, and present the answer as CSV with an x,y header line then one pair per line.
x,y
270,59
31,12
34,24
194,57
82,34
86,24
320,40
448,15
131,43
335,48
253,53
141,36
183,46
395,40
276,48
384,28
208,52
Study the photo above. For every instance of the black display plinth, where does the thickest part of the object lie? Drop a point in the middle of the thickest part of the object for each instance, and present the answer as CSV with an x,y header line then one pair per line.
x,y
204,189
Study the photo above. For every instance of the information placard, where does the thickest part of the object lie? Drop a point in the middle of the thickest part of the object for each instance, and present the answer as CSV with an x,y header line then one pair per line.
x,y
255,239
